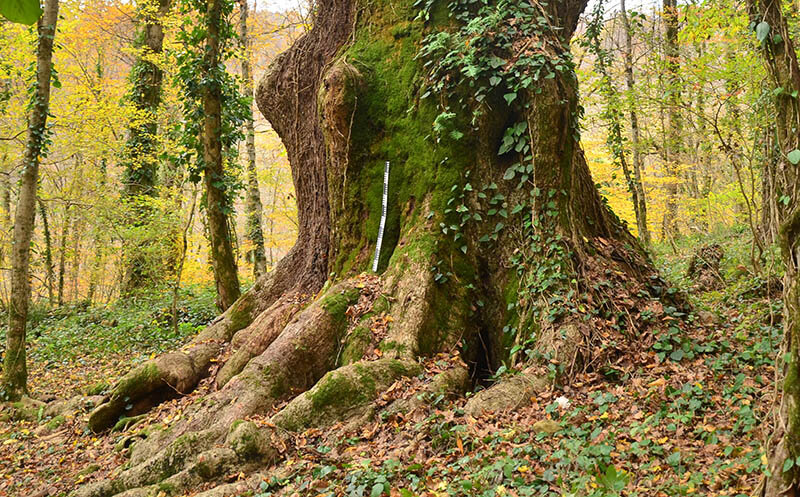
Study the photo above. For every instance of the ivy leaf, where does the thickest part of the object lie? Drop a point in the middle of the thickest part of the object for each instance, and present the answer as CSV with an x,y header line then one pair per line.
x,y
762,31
787,464
794,156
21,11
495,80
510,97
496,62
509,173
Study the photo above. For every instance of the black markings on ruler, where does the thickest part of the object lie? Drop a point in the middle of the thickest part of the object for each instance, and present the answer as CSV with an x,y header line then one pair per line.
x,y
383,217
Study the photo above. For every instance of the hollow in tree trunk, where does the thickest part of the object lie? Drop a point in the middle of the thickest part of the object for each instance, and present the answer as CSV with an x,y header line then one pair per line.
x,y
345,98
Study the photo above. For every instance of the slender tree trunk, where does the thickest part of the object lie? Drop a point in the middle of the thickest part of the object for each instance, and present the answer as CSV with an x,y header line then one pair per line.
x,y
77,236
62,252
770,223
48,254
5,213
781,59
612,111
672,145
5,233
97,260
218,202
15,371
254,232
641,206
141,149
273,206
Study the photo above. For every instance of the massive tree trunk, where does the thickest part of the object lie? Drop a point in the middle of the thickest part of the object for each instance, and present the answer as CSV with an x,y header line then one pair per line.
x,y
781,60
254,231
15,371
506,269
218,201
141,149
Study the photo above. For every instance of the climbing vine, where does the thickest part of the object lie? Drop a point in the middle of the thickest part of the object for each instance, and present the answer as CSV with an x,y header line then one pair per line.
x,y
193,77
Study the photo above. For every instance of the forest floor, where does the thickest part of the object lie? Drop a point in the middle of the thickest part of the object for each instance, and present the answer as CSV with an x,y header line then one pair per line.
x,y
691,421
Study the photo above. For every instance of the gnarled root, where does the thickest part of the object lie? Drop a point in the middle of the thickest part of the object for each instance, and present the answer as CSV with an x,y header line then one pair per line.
x,y
510,393
174,373
296,361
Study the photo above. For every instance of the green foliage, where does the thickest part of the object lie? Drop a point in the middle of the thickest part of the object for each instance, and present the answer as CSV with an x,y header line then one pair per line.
x,y
194,77
480,55
139,324
21,11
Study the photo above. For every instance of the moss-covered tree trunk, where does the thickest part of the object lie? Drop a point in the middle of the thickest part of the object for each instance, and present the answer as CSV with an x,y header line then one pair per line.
x,y
254,232
218,201
496,239
781,60
142,147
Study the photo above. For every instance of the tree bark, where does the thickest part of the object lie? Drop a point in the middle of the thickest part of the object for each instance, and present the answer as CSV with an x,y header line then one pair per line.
x,y
254,232
345,98
673,144
141,149
48,254
781,59
218,204
15,372
641,207
62,252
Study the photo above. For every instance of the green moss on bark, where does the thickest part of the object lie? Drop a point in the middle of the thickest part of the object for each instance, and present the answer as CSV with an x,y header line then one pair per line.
x,y
341,391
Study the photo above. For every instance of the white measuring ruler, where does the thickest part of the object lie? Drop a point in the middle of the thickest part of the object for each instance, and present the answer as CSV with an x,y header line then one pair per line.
x,y
383,217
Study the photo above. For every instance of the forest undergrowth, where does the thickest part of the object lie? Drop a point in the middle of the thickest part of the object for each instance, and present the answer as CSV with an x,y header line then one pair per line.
x,y
691,421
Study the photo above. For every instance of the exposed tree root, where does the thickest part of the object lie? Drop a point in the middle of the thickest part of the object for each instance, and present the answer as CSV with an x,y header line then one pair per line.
x,y
297,360
511,393
253,340
174,373
340,391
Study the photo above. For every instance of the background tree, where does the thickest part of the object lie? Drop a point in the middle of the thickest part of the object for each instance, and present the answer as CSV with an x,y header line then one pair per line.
x,y
613,114
254,231
15,372
673,143
640,207
218,201
142,148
